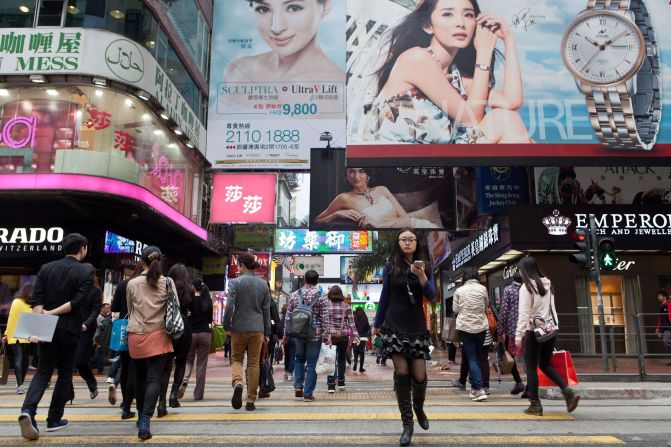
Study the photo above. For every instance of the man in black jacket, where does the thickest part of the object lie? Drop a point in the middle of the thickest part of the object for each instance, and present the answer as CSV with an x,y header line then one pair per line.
x,y
60,288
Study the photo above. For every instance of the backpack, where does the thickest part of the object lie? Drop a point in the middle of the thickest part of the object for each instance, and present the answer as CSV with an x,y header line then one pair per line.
x,y
300,322
103,332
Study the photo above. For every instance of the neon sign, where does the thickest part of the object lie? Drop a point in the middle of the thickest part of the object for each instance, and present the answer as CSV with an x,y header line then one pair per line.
x,y
26,141
172,182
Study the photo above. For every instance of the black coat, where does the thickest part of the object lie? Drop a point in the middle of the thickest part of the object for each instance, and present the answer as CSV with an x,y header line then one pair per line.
x,y
62,281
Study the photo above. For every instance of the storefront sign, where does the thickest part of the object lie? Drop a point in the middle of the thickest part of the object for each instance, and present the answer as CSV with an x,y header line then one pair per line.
x,y
243,198
632,227
367,306
475,246
547,118
214,266
269,118
500,187
9,130
263,258
77,51
509,271
306,241
115,243
31,240
253,236
304,263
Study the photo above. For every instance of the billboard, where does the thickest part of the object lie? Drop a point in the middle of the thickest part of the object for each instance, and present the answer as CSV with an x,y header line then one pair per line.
x,y
301,240
261,257
368,198
347,276
643,185
277,82
500,187
512,103
243,198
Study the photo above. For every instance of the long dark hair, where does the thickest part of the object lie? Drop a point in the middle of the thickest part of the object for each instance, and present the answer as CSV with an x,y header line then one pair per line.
x,y
397,263
151,259
532,275
180,275
410,34
360,318
96,281
204,291
335,294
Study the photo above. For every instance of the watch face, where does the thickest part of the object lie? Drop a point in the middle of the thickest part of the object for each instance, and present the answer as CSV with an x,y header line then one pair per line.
x,y
603,48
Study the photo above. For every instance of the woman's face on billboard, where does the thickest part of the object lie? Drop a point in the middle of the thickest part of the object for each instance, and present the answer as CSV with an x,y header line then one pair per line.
x,y
287,26
357,177
453,23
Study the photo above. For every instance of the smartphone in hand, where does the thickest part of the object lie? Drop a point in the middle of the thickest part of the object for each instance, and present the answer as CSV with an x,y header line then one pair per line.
x,y
418,265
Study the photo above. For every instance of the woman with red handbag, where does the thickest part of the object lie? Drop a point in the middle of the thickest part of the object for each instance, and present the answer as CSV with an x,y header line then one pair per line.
x,y
537,304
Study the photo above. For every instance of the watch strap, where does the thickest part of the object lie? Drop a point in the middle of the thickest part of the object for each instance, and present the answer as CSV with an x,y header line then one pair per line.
x,y
620,119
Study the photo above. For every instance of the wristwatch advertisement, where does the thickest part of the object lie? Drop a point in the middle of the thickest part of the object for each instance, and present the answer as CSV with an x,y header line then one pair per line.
x,y
611,51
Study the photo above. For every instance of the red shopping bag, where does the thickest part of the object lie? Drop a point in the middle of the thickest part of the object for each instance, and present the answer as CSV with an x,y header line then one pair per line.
x,y
562,362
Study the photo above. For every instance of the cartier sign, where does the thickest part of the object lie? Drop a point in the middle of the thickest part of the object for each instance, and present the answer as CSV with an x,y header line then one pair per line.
x,y
33,239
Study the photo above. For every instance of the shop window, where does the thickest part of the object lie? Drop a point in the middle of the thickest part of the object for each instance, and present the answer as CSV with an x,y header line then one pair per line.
x,y
50,13
17,13
613,308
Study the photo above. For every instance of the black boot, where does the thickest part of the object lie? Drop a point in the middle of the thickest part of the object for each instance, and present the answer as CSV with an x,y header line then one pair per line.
x,y
418,396
535,408
402,388
571,399
173,402
361,363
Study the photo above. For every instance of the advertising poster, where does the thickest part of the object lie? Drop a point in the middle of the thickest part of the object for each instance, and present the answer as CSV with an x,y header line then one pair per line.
x,y
301,240
243,198
347,275
500,187
277,81
610,185
417,77
253,236
378,198
261,257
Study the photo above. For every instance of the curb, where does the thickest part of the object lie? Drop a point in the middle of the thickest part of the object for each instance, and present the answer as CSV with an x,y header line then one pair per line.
x,y
609,393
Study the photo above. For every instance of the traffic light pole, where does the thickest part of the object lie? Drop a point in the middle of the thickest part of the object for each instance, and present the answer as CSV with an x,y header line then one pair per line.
x,y
599,294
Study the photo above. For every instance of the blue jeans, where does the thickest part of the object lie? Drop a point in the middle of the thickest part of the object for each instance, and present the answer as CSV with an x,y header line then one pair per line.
x,y
473,345
306,352
289,355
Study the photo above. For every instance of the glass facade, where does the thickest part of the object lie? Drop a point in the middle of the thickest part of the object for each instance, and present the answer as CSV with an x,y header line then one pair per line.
x,y
192,29
130,18
95,131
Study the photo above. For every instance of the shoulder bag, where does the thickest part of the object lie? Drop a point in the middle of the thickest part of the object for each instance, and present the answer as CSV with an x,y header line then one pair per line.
x,y
174,323
545,331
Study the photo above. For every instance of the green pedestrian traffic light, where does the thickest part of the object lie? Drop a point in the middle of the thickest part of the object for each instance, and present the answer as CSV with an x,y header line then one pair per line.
x,y
606,250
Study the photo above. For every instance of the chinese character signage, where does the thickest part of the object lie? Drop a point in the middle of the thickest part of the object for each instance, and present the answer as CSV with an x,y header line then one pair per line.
x,y
343,198
291,240
302,264
576,79
277,82
476,245
263,258
243,198
79,51
501,187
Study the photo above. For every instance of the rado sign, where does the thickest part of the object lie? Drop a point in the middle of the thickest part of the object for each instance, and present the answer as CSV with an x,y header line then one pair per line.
x,y
31,240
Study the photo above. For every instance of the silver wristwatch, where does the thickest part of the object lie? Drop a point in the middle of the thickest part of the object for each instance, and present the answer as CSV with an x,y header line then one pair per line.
x,y
611,51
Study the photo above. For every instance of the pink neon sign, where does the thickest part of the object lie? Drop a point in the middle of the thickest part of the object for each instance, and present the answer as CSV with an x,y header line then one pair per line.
x,y
28,140
172,182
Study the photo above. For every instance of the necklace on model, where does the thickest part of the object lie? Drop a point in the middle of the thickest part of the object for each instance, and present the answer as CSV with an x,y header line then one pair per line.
x,y
367,194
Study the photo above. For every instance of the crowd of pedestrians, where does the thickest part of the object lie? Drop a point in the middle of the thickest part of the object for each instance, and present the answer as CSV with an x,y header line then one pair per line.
x,y
312,320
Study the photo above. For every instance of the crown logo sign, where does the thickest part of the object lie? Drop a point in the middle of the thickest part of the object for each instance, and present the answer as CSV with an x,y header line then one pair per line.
x,y
557,224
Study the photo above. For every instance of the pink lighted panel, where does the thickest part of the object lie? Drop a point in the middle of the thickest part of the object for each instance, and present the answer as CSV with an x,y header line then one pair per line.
x,y
119,188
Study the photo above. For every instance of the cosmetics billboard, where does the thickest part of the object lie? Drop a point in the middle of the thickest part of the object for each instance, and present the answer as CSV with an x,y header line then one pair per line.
x,y
277,81
530,83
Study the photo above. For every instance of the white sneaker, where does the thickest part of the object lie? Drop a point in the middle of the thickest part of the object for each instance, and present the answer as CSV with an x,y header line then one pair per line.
x,y
479,396
342,387
19,390
110,380
472,394
290,377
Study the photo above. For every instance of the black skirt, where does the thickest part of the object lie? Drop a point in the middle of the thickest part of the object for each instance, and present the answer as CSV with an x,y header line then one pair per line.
x,y
396,342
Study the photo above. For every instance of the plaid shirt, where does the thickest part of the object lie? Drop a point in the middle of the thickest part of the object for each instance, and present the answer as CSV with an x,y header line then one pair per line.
x,y
336,312
320,312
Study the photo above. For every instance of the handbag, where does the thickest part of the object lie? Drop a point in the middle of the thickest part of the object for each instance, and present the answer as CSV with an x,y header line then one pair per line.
x,y
266,381
174,323
326,361
218,339
336,337
507,361
4,364
562,362
377,342
545,331
491,320
119,337
450,330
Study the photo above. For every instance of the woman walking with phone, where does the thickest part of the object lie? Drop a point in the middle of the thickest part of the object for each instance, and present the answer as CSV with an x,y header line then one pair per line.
x,y
401,324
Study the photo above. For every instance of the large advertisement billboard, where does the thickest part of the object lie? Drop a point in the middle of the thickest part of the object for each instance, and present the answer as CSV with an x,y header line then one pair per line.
x,y
494,82
378,198
277,81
